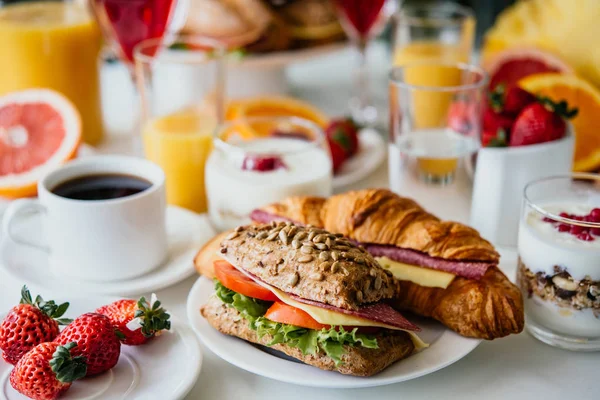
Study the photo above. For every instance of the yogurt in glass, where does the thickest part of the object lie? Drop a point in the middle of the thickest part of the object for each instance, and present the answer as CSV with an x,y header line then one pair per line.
x,y
559,260
264,160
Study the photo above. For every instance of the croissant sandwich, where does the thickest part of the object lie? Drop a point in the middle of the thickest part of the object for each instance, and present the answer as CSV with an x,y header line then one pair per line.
x,y
447,271
310,294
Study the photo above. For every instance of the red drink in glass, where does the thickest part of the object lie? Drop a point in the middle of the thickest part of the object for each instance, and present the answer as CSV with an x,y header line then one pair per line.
x,y
128,22
361,14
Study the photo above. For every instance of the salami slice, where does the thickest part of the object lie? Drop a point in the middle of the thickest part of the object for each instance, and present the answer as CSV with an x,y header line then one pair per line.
x,y
264,217
379,312
467,269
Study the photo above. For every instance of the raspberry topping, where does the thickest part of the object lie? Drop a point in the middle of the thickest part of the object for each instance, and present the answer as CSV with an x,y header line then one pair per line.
x,y
580,232
262,163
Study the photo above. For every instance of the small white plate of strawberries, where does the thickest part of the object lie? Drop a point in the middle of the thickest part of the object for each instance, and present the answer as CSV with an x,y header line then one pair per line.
x,y
112,349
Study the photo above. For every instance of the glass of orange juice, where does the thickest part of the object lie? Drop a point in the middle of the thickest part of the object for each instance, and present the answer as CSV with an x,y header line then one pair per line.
x,y
433,124
55,45
181,84
430,33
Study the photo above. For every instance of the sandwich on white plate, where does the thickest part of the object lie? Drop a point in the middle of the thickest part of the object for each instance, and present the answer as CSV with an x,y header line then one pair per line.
x,y
310,294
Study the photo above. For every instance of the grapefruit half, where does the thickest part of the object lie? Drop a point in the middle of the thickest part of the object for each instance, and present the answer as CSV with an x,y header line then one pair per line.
x,y
510,66
40,129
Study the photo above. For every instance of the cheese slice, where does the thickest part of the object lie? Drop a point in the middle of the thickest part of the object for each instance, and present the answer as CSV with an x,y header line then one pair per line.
x,y
330,317
421,276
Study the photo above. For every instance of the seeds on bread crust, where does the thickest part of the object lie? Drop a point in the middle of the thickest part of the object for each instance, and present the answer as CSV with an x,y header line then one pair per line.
x,y
299,260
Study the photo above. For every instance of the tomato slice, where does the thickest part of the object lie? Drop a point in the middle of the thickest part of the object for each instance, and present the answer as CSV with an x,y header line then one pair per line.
x,y
286,314
235,280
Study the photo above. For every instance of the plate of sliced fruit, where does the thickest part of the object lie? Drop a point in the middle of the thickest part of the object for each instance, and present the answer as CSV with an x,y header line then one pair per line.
x,y
112,349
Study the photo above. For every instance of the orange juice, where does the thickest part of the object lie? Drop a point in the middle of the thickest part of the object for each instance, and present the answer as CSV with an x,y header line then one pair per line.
x,y
431,107
181,143
53,45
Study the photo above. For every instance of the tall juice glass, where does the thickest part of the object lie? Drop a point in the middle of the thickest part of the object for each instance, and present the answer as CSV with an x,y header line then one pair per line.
x,y
182,88
453,132
55,45
433,33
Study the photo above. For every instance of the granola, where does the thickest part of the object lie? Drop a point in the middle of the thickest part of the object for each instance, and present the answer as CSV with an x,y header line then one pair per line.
x,y
561,288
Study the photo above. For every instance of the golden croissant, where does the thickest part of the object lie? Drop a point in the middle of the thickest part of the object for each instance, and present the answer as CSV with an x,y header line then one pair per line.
x,y
479,301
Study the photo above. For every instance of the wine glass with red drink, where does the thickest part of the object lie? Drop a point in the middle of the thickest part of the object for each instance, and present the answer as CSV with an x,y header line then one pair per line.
x,y
362,20
125,23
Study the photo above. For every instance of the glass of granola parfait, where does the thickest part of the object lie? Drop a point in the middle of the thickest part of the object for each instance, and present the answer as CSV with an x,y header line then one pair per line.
x,y
559,260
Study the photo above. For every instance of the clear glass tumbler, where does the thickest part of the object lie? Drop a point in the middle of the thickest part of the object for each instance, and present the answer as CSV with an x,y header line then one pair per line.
x,y
559,260
262,160
435,118
181,84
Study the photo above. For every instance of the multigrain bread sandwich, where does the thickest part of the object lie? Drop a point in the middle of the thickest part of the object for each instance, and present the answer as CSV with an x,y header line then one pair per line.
x,y
311,295
447,270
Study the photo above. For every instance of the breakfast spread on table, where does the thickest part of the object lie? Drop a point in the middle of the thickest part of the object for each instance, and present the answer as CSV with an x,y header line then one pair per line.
x,y
310,274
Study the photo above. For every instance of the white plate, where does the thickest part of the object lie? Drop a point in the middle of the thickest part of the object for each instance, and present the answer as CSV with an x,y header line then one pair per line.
x,y
187,232
166,367
446,347
370,155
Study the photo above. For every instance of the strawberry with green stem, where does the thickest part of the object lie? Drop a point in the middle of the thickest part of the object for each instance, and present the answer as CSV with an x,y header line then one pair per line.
x,y
96,340
541,122
47,371
344,132
137,321
30,323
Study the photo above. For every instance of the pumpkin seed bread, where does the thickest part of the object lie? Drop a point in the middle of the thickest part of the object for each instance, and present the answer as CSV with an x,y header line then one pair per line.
x,y
310,263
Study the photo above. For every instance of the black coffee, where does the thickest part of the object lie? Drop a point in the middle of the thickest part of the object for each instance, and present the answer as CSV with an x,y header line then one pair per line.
x,y
101,187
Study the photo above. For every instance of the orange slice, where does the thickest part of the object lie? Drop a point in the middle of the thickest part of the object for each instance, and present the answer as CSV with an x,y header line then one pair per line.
x,y
39,130
581,94
272,106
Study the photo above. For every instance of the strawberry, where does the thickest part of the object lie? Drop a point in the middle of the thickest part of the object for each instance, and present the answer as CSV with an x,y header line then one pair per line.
x,y
345,133
541,122
96,340
138,321
47,371
29,324
516,100
510,102
494,139
338,155
495,128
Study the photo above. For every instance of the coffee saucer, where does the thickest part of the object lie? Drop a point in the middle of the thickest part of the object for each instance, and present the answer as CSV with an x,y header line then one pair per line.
x,y
187,232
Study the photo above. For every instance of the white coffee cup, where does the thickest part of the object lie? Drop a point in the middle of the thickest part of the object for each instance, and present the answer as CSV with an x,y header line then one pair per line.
x,y
501,175
98,240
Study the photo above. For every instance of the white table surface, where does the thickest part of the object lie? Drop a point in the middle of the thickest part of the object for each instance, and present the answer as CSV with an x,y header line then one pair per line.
x,y
517,367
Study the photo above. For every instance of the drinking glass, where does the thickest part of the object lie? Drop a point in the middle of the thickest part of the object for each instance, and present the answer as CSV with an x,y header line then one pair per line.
x,y
434,122
125,23
433,32
362,20
262,160
559,260
54,45
182,90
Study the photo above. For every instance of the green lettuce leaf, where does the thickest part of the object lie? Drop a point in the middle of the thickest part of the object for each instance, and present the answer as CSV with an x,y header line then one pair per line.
x,y
249,307
309,341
